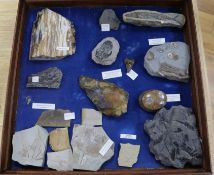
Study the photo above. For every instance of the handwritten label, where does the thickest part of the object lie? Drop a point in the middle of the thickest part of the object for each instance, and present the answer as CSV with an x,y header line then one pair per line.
x,y
112,74
69,116
105,27
106,147
132,74
35,79
128,136
173,97
156,41
43,106
62,48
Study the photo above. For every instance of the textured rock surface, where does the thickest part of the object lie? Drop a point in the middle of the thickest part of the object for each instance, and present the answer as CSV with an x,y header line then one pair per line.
x,y
154,18
86,143
61,160
128,155
170,60
49,78
152,100
54,118
59,139
108,98
109,17
129,64
53,37
29,146
91,117
106,51
174,137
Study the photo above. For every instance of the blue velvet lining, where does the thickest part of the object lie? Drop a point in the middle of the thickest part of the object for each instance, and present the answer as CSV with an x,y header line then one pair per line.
x,y
133,44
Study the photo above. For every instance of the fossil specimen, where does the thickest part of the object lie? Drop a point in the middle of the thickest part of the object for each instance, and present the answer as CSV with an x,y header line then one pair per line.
x,y
108,98
154,18
129,64
105,53
61,160
29,146
91,117
59,139
53,37
49,78
86,143
174,137
128,154
54,118
152,100
170,60
109,17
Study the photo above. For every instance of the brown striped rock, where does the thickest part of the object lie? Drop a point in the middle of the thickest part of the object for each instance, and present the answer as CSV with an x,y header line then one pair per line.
x,y
53,37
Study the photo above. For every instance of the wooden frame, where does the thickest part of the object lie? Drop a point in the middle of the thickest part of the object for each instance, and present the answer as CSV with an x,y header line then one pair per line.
x,y
198,83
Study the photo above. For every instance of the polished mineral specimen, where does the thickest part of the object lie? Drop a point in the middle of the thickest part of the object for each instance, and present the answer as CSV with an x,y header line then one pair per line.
x,y
59,139
154,18
86,143
109,17
54,118
29,146
61,160
129,64
108,98
128,155
106,51
174,138
170,60
91,117
49,78
53,37
152,100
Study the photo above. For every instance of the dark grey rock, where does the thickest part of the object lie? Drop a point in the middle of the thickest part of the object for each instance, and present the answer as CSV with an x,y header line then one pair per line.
x,y
109,17
154,18
174,138
170,60
49,78
106,51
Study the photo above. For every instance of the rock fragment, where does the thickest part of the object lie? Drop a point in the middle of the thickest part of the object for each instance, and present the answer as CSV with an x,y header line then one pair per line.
x,y
129,64
49,78
91,117
54,118
170,60
109,17
86,143
29,146
174,138
61,160
154,18
53,37
128,155
107,97
106,51
59,139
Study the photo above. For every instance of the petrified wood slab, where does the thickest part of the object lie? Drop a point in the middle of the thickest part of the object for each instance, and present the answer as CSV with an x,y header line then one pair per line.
x,y
108,98
53,37
49,78
174,138
154,18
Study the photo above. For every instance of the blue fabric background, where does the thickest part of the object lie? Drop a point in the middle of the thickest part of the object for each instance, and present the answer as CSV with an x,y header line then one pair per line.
x,y
133,44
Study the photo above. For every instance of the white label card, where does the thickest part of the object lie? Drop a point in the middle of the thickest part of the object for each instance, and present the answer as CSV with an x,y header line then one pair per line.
x,y
69,116
62,48
132,74
43,106
173,97
106,147
35,79
156,41
128,136
105,27
112,74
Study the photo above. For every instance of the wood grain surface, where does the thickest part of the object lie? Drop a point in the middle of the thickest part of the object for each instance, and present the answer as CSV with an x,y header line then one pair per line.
x,y
8,9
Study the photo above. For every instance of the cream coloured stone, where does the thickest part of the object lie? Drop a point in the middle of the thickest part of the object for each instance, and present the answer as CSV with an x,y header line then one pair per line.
x,y
91,117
